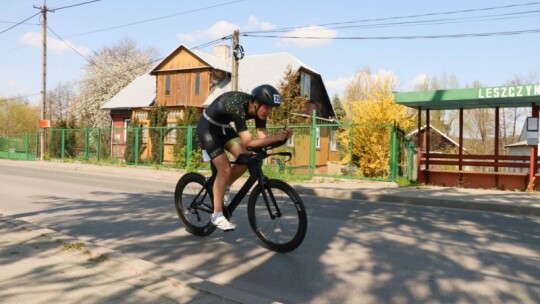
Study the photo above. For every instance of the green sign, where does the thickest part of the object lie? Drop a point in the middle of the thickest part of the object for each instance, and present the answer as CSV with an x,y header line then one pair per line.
x,y
513,91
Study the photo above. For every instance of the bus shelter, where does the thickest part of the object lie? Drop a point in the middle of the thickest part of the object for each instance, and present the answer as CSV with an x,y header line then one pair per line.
x,y
476,171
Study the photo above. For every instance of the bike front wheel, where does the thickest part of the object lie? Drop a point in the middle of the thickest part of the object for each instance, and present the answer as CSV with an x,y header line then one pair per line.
x,y
282,224
194,205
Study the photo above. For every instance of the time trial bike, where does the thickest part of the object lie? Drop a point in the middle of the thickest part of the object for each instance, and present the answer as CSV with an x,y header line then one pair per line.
x,y
275,211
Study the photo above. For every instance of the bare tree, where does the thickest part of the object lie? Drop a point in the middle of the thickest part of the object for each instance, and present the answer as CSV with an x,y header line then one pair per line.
x,y
59,100
440,119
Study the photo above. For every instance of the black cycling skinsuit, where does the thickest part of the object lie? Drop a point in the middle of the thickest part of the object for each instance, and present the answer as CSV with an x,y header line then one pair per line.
x,y
213,127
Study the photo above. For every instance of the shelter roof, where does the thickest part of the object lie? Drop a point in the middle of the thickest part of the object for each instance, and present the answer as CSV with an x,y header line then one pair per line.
x,y
489,97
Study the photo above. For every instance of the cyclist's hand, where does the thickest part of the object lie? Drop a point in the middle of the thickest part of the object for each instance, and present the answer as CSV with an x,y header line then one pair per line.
x,y
281,135
289,132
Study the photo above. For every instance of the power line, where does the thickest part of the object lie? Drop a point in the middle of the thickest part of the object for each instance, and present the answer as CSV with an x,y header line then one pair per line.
x,y
73,5
154,19
19,23
507,33
286,29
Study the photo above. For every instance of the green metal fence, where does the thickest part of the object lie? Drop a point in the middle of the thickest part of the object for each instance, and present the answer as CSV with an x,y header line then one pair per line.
x,y
375,151
24,146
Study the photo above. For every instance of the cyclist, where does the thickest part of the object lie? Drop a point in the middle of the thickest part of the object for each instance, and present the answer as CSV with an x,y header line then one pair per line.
x,y
217,135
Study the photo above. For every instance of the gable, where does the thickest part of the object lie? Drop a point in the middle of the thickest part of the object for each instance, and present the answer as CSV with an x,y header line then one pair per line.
x,y
179,59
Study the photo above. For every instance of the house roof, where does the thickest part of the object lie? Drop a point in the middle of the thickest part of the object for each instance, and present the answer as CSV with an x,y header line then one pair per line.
x,y
258,69
141,92
252,71
489,97
436,130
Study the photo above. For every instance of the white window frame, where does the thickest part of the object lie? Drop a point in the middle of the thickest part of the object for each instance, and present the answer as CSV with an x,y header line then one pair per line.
x,y
305,85
290,141
333,141
318,137
127,122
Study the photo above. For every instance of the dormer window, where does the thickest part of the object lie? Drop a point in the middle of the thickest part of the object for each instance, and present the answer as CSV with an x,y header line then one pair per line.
x,y
167,85
305,85
197,83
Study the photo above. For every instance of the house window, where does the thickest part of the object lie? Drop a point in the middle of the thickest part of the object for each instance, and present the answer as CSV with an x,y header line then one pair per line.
x,y
305,85
290,141
167,85
318,139
197,83
144,134
333,141
127,122
170,138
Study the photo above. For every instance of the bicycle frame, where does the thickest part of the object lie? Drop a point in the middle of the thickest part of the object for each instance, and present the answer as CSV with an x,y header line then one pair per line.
x,y
256,175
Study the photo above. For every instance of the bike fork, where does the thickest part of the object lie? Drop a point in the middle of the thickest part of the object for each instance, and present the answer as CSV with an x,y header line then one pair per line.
x,y
269,197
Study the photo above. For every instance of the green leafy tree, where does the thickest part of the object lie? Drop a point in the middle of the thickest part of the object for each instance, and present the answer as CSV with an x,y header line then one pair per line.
x,y
190,117
134,132
65,127
18,116
291,101
157,120
338,109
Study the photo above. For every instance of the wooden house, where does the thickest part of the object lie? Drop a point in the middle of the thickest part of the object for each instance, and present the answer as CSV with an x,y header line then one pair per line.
x,y
193,78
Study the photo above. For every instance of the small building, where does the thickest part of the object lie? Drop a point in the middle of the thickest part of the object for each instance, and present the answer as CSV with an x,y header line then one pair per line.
x,y
520,148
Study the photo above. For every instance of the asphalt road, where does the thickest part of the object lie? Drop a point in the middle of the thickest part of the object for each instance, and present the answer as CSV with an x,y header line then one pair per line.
x,y
354,252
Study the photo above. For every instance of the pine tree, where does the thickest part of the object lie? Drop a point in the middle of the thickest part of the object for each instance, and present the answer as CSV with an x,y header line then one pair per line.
x,y
291,101
157,118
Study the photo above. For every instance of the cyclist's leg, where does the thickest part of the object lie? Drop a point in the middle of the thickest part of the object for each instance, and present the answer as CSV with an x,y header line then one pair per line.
x,y
235,147
223,166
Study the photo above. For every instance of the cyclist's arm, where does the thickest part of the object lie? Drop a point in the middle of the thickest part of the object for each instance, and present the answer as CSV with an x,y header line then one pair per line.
x,y
263,139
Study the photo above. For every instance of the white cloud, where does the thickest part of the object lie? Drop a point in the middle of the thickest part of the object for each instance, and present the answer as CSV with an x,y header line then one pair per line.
x,y
34,39
323,36
218,30
256,24
339,85
12,83
418,81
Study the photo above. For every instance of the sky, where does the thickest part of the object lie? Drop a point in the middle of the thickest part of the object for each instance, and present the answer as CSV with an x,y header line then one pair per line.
x,y
490,41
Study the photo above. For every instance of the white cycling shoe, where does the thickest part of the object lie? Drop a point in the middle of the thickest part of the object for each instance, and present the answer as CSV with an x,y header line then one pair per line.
x,y
222,223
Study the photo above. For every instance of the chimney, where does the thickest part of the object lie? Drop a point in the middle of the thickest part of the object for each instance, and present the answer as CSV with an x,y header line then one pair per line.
x,y
222,51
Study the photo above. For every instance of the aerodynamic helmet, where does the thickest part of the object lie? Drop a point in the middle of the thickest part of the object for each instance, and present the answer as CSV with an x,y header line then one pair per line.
x,y
267,95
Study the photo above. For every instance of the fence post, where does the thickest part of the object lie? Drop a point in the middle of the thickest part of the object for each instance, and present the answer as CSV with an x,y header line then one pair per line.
x,y
37,143
161,146
136,145
189,144
98,144
27,145
393,153
87,143
63,143
313,142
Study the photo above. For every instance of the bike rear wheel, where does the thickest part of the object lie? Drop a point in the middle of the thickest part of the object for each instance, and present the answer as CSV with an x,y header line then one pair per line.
x,y
286,231
194,204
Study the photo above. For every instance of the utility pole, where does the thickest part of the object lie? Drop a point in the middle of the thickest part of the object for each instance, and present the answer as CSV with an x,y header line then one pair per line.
x,y
238,54
43,123
44,79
